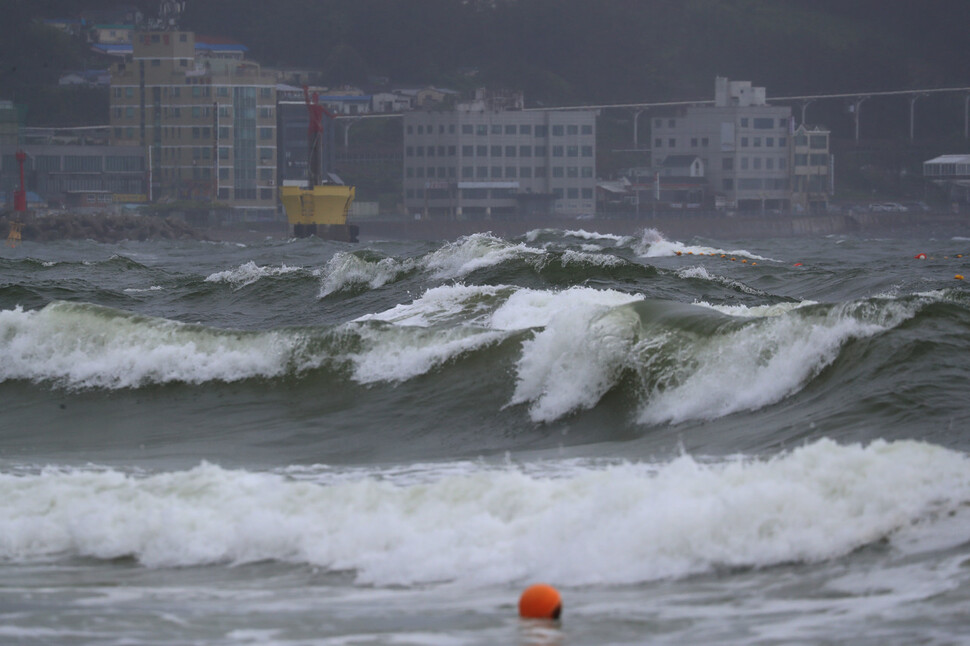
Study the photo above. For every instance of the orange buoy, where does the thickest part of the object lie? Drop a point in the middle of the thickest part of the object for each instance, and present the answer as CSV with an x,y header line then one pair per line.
x,y
540,601
959,276
797,264
679,253
920,256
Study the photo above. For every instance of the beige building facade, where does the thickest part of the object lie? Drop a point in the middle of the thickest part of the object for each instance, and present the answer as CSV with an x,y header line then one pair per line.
x,y
206,122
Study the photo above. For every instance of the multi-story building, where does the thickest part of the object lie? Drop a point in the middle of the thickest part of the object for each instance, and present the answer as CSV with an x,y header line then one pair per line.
x,y
206,118
743,142
812,178
480,160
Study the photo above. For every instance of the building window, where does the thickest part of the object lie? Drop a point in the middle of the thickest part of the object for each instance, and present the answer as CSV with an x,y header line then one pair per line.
x,y
496,129
510,130
542,131
525,151
744,142
467,151
587,129
481,130
510,151
466,129
572,151
658,143
558,131
467,172
727,163
525,130
672,142
744,122
572,130
496,151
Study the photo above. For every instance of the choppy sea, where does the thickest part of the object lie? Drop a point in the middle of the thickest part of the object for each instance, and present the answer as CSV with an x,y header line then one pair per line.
x,y
308,442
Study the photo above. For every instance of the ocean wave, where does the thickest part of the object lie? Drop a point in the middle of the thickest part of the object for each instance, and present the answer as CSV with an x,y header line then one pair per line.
x,y
676,362
90,346
653,244
624,523
457,261
701,273
346,270
248,273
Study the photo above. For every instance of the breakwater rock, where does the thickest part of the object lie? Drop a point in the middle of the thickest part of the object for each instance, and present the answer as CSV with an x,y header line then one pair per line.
x,y
102,227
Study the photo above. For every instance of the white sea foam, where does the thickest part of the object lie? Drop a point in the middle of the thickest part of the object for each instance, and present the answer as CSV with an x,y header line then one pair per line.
x,y
653,244
578,354
756,311
85,346
346,270
589,525
758,364
247,274
460,258
703,274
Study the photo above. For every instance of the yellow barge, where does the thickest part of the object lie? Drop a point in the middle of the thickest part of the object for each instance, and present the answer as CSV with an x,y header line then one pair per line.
x,y
320,211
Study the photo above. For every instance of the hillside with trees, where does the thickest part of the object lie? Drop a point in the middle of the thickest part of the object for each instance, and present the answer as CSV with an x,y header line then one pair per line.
x,y
556,51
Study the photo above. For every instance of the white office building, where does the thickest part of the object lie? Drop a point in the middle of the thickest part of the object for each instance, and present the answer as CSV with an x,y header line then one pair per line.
x,y
483,161
743,142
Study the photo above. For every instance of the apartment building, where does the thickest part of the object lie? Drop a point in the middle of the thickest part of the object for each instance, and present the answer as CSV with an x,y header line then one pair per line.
x,y
743,142
482,160
205,116
812,166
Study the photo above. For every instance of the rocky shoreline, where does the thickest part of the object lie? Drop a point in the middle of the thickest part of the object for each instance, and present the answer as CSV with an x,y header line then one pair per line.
x,y
101,227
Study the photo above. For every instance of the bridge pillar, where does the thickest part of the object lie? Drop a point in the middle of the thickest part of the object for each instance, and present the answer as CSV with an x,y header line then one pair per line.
x,y
636,117
966,116
912,112
804,106
855,109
